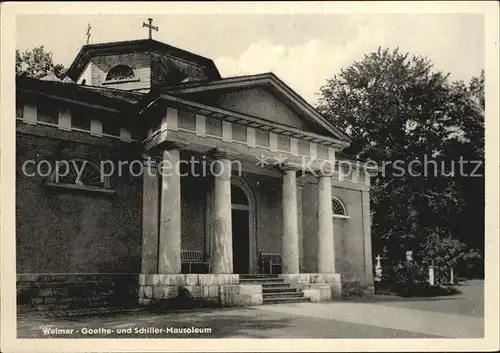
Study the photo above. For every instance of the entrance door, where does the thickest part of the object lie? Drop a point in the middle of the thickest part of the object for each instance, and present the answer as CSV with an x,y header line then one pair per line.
x,y
240,241
240,227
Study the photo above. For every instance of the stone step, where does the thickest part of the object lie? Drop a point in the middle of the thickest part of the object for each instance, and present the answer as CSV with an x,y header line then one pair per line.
x,y
283,294
261,280
258,275
274,285
279,289
285,300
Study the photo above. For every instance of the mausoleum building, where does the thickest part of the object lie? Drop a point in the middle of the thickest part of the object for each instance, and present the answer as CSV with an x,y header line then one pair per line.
x,y
145,175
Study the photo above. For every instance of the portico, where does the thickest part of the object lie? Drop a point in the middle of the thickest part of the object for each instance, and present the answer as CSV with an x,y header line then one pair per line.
x,y
222,166
164,223
242,198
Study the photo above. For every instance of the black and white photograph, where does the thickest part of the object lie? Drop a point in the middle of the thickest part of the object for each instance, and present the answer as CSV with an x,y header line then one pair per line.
x,y
184,172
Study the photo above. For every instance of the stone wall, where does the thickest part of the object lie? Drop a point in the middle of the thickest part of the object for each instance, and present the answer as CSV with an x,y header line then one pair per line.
x,y
61,230
350,244
138,62
259,102
349,240
316,286
75,291
357,285
210,289
267,192
193,212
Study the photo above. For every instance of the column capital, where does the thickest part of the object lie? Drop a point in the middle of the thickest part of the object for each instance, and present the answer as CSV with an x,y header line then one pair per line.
x,y
301,181
220,153
174,145
325,173
286,167
151,160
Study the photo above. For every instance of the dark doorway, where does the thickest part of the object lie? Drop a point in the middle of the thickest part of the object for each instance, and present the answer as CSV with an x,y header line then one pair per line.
x,y
240,241
240,227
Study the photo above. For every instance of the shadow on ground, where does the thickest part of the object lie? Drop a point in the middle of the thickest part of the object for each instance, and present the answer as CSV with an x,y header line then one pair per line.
x,y
395,298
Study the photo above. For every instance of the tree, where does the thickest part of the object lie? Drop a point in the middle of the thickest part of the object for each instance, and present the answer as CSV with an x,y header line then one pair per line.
x,y
398,109
467,104
37,63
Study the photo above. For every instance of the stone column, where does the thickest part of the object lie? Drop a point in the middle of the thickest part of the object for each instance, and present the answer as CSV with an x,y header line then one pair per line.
x,y
300,184
290,236
150,190
326,245
169,249
367,238
222,259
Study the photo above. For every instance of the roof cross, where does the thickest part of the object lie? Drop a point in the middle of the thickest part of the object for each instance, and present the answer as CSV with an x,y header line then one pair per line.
x,y
150,27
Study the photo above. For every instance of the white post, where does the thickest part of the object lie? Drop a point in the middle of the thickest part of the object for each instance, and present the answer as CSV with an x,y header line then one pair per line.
x,y
378,269
431,275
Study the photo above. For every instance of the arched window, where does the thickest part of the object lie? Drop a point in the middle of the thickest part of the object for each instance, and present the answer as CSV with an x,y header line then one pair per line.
x,y
79,174
339,210
120,72
238,196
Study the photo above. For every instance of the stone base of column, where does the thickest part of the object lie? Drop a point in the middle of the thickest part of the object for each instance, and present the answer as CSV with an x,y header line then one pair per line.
x,y
319,287
341,284
220,290
357,285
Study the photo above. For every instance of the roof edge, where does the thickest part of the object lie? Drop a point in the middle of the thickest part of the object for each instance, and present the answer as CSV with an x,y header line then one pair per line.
x,y
84,55
167,97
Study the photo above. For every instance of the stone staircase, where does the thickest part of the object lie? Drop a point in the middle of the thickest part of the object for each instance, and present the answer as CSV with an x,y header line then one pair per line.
x,y
274,290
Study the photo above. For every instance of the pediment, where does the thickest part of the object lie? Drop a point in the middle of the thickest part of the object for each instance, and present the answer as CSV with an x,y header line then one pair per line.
x,y
262,96
260,102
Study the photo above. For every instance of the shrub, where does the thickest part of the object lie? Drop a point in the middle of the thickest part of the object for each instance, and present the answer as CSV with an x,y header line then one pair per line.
x,y
410,279
408,276
405,278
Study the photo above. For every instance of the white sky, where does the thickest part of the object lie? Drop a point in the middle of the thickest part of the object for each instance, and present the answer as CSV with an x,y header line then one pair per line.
x,y
304,50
